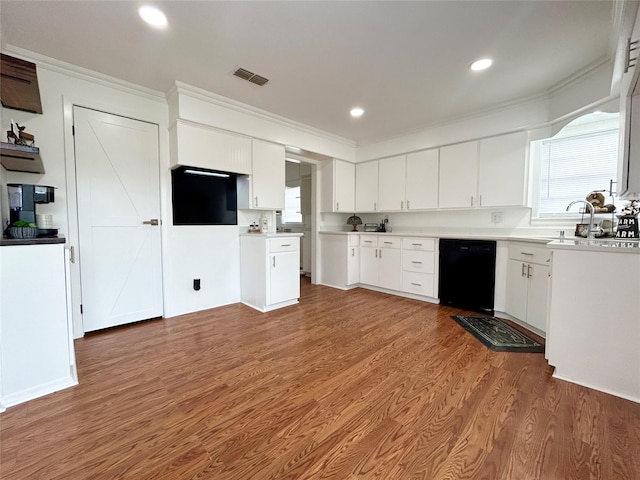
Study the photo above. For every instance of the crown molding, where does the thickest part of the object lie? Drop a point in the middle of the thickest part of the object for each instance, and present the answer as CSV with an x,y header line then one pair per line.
x,y
225,102
58,66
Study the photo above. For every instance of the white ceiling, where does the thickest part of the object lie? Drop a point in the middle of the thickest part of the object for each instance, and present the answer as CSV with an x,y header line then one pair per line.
x,y
406,63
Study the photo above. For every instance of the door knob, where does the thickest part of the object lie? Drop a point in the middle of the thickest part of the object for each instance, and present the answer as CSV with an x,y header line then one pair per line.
x,y
153,221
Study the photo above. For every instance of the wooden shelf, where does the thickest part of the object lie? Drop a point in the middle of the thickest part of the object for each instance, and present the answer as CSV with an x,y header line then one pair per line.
x,y
21,158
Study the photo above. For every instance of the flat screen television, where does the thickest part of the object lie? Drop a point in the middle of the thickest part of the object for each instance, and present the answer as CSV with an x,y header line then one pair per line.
x,y
203,197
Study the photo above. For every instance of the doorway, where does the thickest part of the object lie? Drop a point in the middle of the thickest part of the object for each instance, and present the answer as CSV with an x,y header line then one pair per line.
x,y
118,204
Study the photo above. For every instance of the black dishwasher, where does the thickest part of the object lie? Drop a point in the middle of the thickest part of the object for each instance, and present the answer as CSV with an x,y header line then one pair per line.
x,y
468,274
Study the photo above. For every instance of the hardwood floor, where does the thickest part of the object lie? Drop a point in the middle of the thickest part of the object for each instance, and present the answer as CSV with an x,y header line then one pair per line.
x,y
344,385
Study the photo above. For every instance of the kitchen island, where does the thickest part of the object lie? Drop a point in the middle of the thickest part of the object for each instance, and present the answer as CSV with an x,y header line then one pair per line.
x,y
593,329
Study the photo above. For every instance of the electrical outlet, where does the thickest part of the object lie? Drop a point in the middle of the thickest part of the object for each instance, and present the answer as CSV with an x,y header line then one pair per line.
x,y
496,217
196,284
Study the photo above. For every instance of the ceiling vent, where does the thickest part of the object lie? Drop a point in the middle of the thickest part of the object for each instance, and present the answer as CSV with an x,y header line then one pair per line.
x,y
250,76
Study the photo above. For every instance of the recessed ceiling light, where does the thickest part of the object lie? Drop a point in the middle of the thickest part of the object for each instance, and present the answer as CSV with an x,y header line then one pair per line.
x,y
481,64
357,112
152,16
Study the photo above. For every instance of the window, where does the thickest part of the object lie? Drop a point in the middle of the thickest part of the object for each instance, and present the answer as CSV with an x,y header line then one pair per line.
x,y
292,212
582,158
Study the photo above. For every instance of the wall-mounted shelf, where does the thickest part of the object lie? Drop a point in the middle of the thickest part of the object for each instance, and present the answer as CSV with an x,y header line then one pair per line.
x,y
21,158
19,87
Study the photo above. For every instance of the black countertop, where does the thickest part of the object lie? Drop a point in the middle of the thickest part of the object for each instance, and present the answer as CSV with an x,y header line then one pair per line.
x,y
8,242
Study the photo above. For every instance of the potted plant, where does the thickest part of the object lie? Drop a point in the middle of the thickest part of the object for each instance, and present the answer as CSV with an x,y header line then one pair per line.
x,y
23,229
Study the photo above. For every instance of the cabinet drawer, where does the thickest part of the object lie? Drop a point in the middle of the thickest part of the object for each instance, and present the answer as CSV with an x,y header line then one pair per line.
x,y
286,244
418,261
417,283
419,244
389,242
368,241
354,240
527,252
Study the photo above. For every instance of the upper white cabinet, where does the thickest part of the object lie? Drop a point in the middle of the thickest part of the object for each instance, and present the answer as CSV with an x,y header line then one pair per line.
x,y
502,171
367,187
486,173
264,188
458,175
422,180
338,179
195,145
391,184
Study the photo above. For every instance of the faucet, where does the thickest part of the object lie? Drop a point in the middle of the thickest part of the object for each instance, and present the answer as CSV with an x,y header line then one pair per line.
x,y
591,233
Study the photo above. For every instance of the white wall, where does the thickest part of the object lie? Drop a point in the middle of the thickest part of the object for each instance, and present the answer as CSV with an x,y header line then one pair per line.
x,y
61,86
564,102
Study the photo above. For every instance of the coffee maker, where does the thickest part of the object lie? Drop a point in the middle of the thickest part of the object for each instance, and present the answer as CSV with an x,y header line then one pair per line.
x,y
23,198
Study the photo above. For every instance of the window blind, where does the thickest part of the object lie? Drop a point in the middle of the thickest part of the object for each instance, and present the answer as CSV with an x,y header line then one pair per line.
x,y
572,167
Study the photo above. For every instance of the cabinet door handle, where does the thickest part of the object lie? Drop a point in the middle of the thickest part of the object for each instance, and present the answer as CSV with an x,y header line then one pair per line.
x,y
527,254
416,284
415,261
337,206
353,252
472,200
153,221
376,253
274,261
72,254
529,271
256,201
380,254
285,245
401,204
416,244
388,243
408,207
367,241
522,274
480,200
375,206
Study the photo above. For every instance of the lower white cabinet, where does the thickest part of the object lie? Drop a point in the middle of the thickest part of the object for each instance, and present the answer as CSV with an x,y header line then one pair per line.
x,y
528,284
418,266
380,261
270,270
36,341
340,259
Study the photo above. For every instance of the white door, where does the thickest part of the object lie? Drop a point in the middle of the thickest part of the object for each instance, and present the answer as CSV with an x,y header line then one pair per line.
x,y
537,301
502,170
391,181
268,179
285,277
367,187
422,179
345,182
517,289
458,175
390,273
117,171
369,266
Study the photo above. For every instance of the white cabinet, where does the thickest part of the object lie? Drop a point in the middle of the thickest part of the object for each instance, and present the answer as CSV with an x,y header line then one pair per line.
x,y
391,184
502,171
367,187
338,181
418,266
380,261
458,175
269,270
422,180
36,349
528,283
486,173
264,188
196,145
339,259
